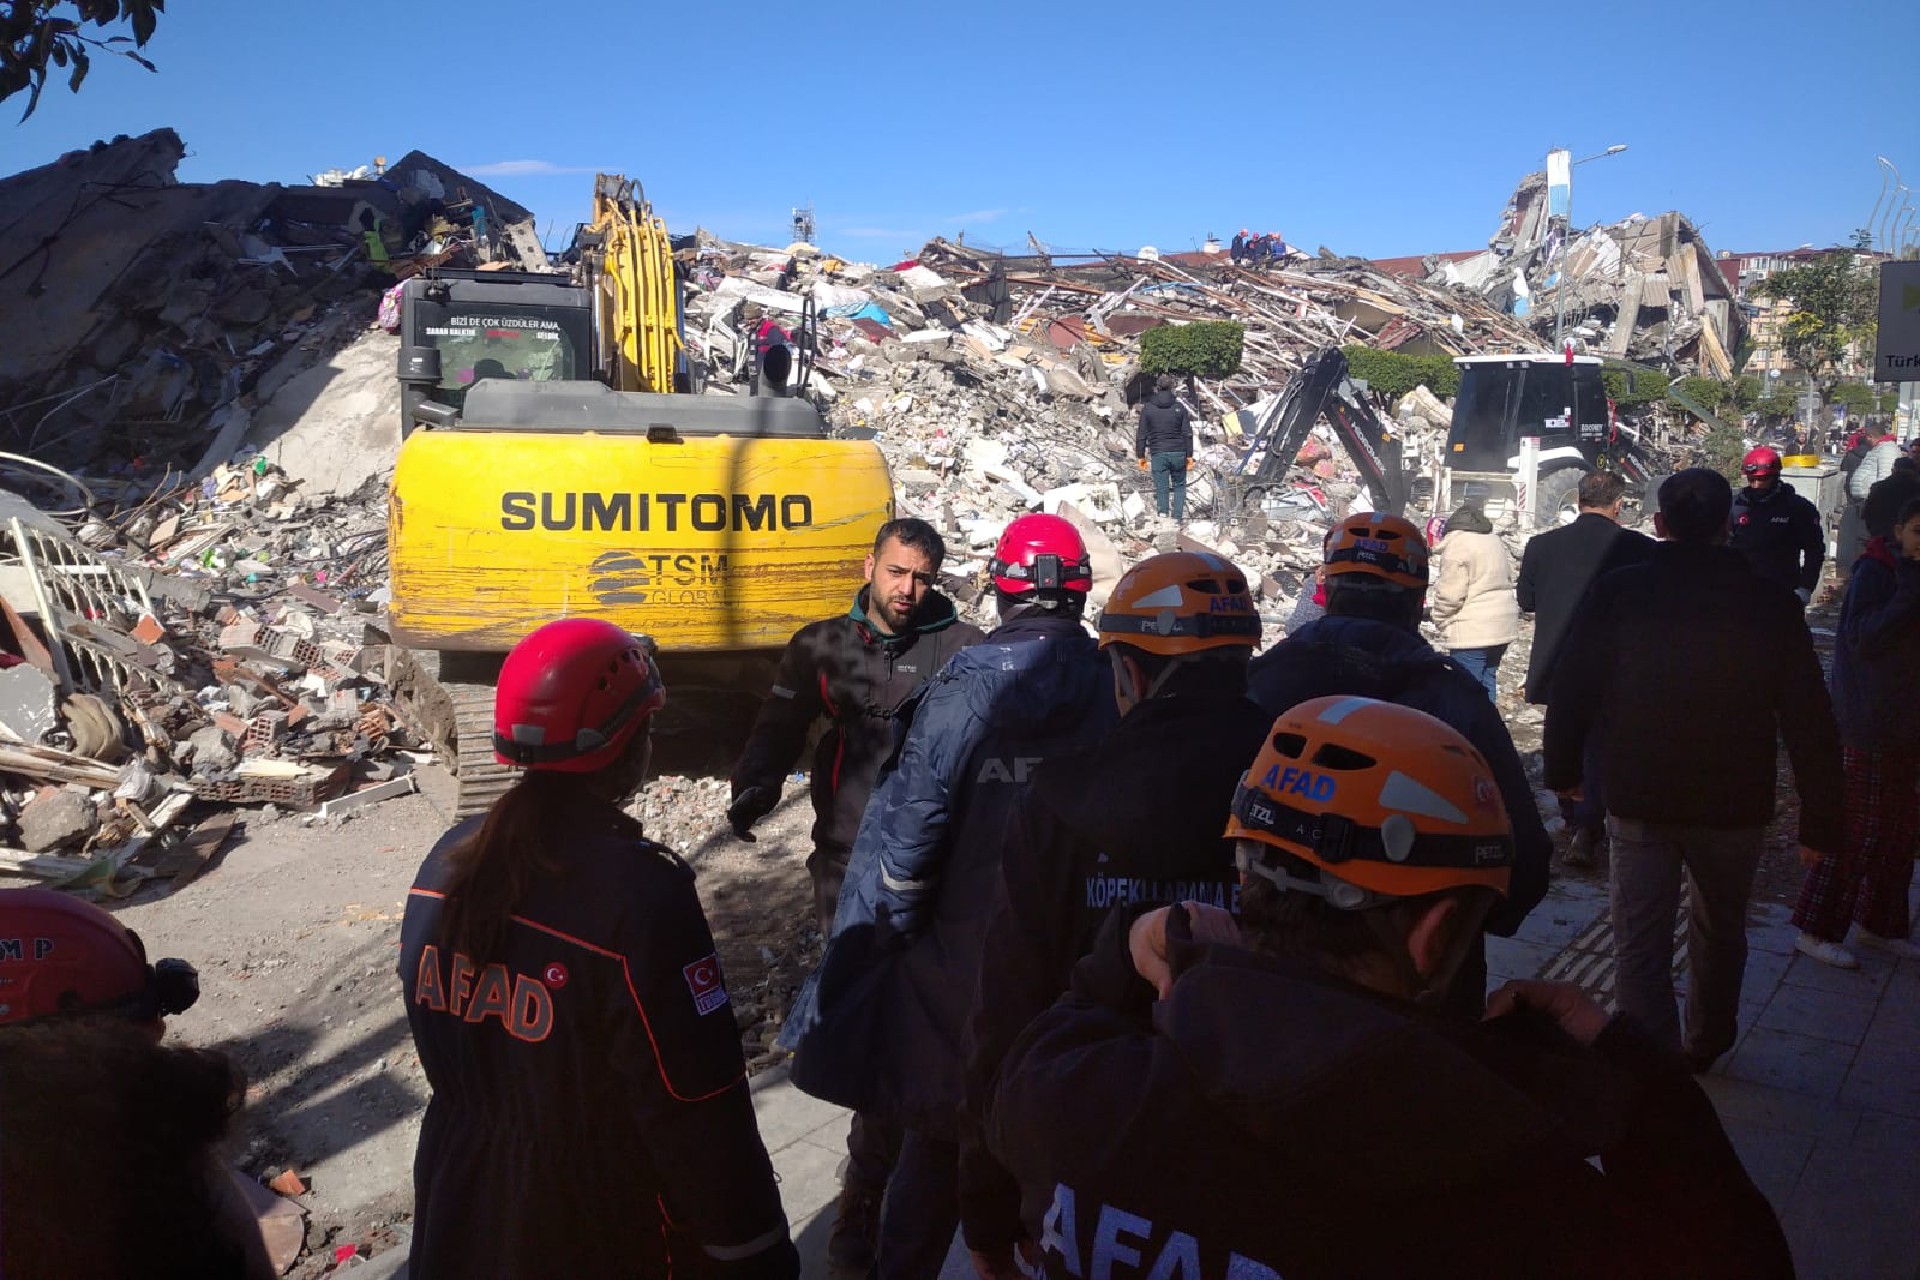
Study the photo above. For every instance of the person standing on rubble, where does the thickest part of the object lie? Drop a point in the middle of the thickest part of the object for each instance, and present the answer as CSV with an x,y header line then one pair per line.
x,y
1876,687
1556,569
881,1022
1164,442
1369,646
1777,530
1238,249
855,672
1473,602
590,1114
1136,817
1689,669
1273,1095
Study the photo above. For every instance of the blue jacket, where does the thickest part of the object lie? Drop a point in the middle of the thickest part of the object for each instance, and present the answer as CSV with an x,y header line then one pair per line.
x,y
1876,664
1365,658
913,910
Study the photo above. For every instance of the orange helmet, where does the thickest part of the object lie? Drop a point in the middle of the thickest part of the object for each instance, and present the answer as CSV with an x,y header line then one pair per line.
x,y
1367,801
1386,547
1181,602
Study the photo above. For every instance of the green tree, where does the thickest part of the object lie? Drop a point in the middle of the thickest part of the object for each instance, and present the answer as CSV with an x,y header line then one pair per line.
x,y
1710,393
1204,349
1833,304
36,35
1858,397
1631,387
1391,374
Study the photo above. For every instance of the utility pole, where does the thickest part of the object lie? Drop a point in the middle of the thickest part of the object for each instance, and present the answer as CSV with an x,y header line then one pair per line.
x,y
1566,233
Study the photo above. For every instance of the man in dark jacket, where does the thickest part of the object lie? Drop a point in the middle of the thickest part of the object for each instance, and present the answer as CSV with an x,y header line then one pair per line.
x,y
1688,669
1276,1098
1238,249
1556,569
1777,530
881,1022
1164,441
1369,645
1135,818
854,671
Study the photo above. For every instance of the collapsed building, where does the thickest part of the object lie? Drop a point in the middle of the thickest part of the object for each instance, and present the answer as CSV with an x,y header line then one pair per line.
x,y
1643,289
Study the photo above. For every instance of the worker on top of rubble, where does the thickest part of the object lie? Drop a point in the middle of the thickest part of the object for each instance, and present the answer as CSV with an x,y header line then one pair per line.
x,y
95,1106
1777,530
1164,442
1238,249
590,1114
1135,817
1369,646
854,671
1273,1096
881,1021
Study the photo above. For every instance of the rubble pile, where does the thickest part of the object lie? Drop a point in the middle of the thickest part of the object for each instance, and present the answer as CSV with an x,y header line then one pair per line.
x,y
998,385
149,318
223,656
1644,289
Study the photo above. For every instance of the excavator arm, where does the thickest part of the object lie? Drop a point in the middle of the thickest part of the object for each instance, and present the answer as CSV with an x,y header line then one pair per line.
x,y
1321,387
636,299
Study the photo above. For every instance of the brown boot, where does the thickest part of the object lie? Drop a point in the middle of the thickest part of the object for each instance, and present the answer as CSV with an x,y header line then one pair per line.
x,y
854,1246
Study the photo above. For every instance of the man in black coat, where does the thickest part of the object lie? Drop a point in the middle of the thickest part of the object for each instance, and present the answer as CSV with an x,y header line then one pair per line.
x,y
1164,441
1556,569
1685,671
1886,498
1137,817
1777,530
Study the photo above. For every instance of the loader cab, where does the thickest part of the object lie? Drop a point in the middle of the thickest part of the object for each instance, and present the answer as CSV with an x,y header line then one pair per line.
x,y
459,328
1503,398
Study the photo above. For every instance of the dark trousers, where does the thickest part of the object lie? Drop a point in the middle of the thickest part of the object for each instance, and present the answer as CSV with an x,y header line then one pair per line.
x,y
1648,858
1589,812
922,1209
827,868
1170,471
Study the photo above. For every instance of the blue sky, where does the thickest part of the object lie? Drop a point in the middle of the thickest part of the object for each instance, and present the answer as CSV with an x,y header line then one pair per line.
x,y
1372,128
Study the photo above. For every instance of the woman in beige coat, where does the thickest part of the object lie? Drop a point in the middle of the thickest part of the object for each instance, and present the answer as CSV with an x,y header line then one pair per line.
x,y
1473,601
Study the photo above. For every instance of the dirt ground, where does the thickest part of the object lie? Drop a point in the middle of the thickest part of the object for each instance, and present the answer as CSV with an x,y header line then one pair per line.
x,y
295,931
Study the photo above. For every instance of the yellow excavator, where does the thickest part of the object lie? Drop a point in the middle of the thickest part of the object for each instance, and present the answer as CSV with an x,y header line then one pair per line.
x,y
556,462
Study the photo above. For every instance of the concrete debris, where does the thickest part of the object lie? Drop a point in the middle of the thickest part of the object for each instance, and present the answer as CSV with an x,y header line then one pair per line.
x,y
57,818
27,710
1645,289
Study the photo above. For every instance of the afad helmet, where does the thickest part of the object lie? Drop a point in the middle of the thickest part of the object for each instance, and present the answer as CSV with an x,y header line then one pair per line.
x,y
60,955
1181,602
1760,462
1364,801
1389,548
572,695
1041,553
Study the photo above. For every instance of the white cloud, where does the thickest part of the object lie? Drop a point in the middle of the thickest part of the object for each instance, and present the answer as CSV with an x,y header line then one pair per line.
x,y
519,169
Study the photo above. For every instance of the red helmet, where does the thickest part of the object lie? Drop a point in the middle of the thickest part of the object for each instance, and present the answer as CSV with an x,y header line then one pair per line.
x,y
1041,553
571,696
1761,462
59,954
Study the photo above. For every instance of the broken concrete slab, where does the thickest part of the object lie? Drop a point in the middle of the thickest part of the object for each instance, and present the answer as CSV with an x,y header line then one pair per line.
x,y
28,704
57,818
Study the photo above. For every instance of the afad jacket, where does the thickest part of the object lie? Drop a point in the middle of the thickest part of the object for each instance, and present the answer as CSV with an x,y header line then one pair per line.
x,y
590,1114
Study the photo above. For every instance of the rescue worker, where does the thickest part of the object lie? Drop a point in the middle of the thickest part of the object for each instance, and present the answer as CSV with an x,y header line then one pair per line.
x,y
1164,442
1238,249
1135,817
1275,1097
1369,645
855,671
1777,530
881,1022
98,1111
590,1114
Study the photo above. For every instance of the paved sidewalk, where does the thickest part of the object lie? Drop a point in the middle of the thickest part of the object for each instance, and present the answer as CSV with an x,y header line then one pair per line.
x,y
1821,1095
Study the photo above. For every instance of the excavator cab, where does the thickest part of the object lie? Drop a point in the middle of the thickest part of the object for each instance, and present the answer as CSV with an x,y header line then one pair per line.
x,y
459,328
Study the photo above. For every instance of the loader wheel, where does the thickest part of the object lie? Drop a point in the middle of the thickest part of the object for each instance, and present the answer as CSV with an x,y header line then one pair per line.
x,y
1559,500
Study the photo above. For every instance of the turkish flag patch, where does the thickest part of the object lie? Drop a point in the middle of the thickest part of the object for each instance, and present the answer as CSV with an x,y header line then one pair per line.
x,y
703,980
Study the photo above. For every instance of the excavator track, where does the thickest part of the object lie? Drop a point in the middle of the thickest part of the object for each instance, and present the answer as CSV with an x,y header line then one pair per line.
x,y
482,778
448,700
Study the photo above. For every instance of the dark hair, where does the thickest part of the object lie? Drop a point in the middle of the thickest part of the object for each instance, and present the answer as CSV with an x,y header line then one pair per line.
x,y
1164,382
1307,926
100,1114
1222,670
1906,465
1354,595
1601,489
493,869
1908,510
916,534
1695,504
1057,604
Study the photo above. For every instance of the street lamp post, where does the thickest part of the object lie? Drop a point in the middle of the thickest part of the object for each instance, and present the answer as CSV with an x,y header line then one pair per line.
x,y
1566,243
